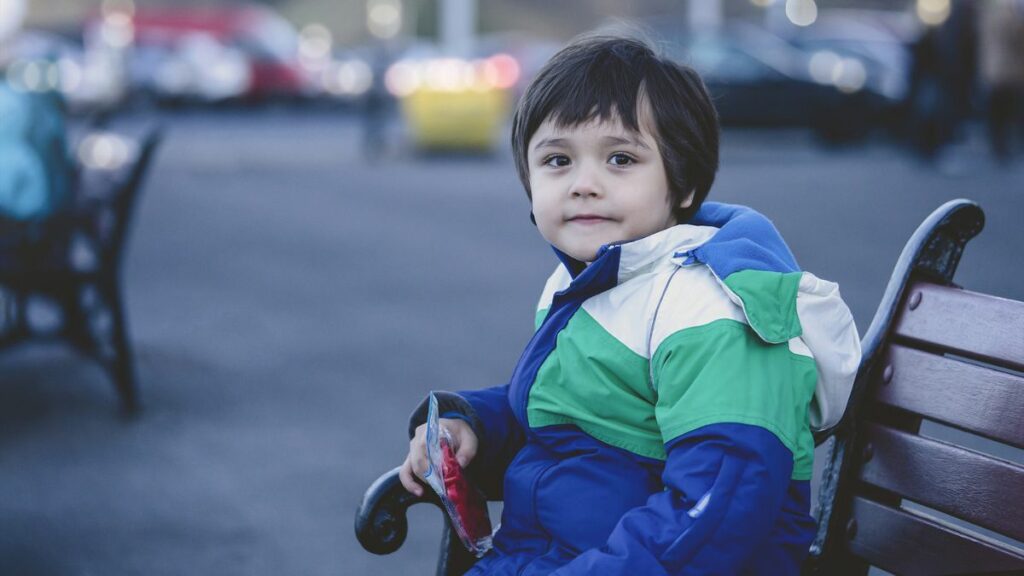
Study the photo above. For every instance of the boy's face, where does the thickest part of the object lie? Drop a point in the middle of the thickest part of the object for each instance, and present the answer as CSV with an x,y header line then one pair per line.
x,y
598,183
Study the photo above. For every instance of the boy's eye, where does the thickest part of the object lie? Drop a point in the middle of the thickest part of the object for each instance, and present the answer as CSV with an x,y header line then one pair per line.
x,y
620,159
556,161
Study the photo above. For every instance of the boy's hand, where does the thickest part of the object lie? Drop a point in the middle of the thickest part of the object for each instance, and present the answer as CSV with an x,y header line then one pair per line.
x,y
415,465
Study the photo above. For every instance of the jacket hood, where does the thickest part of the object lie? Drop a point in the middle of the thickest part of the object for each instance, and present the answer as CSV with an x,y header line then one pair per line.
x,y
759,273
755,267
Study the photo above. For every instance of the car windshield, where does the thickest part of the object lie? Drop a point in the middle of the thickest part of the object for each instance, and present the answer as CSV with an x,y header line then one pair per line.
x,y
724,62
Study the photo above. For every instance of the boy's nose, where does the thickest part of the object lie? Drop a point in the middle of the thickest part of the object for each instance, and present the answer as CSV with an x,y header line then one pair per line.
x,y
585,185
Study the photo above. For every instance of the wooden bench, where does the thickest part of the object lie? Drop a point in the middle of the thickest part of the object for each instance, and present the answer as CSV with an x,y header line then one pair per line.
x,y
73,262
891,496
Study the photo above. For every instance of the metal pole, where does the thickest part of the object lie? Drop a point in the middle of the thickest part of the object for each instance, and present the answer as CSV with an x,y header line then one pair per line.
x,y
457,26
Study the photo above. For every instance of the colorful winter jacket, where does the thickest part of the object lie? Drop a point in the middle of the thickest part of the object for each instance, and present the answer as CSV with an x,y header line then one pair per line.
x,y
660,419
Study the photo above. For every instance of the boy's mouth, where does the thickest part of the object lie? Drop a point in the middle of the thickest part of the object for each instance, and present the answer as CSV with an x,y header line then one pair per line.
x,y
588,219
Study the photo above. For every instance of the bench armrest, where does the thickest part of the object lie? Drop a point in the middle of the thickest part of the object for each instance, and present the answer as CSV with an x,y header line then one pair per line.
x,y
381,525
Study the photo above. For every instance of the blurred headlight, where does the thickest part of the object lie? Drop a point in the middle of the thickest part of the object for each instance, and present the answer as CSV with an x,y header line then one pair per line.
x,y
846,74
933,12
503,71
34,75
822,66
104,151
402,78
850,75
348,78
227,76
315,46
499,72
117,30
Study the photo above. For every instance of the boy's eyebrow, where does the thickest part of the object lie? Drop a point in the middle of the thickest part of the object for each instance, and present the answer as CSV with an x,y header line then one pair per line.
x,y
616,140
550,142
638,142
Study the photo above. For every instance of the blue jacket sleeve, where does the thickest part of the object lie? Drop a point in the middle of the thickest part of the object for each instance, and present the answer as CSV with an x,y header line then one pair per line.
x,y
724,488
498,432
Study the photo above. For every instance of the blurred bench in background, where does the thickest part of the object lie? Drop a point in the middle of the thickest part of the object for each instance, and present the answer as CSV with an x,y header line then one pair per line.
x,y
60,276
890,496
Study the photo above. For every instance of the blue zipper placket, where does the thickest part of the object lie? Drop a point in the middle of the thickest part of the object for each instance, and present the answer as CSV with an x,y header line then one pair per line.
x,y
601,275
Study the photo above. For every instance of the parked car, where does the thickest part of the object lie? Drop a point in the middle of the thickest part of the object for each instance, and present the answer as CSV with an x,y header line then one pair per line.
x,y
759,79
878,40
210,54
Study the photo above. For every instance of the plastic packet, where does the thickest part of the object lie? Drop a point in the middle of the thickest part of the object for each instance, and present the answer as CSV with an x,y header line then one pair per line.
x,y
465,504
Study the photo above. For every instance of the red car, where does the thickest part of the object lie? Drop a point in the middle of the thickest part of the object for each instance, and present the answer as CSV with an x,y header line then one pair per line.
x,y
268,42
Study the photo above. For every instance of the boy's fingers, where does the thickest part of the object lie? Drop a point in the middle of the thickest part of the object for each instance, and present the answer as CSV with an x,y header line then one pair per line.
x,y
405,475
419,463
467,447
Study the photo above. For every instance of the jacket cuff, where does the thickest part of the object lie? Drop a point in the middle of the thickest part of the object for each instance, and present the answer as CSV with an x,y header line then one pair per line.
x,y
447,403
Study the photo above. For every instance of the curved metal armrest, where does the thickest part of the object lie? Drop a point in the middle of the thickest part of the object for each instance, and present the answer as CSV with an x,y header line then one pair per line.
x,y
932,253
381,525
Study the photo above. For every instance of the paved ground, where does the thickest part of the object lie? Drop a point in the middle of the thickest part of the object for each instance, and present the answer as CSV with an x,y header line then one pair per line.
x,y
291,301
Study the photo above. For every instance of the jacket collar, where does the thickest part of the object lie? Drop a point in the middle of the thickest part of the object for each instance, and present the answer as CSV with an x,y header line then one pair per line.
x,y
645,254
741,247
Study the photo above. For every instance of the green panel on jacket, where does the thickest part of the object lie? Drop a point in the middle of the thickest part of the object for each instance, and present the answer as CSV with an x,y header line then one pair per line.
x,y
595,382
769,301
723,373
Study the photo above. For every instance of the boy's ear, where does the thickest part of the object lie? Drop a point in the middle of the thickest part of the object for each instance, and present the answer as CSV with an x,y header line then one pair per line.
x,y
688,200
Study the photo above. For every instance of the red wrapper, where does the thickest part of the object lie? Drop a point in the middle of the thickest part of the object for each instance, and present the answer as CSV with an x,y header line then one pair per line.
x,y
465,505
468,503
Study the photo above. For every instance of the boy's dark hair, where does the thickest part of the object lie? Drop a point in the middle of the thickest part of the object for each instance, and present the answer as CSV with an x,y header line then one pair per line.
x,y
602,76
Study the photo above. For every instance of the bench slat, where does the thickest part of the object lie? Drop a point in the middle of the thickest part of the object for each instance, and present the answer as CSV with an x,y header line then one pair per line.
x,y
984,491
906,543
972,324
984,401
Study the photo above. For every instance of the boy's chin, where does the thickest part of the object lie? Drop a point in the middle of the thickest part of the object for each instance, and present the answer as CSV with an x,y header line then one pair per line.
x,y
587,255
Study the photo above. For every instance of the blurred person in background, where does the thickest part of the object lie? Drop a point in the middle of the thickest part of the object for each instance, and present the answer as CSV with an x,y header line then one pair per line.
x,y
942,80
1002,70
35,170
375,103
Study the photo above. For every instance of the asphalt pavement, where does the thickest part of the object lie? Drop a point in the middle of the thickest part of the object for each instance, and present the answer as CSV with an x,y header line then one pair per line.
x,y
291,299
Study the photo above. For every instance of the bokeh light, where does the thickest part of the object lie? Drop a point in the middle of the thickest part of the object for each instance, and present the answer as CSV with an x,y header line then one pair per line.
x,y
384,18
34,75
12,13
801,12
933,12
499,72
849,75
402,79
315,43
348,78
104,151
822,65
117,30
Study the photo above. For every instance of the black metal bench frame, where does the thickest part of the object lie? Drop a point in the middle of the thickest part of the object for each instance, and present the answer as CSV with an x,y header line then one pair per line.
x,y
74,261
848,491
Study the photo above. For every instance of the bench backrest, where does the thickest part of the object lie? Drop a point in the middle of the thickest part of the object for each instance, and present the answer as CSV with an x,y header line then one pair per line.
x,y
927,482
127,195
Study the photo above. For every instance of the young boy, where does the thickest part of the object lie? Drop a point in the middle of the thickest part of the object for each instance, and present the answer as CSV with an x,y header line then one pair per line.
x,y
660,419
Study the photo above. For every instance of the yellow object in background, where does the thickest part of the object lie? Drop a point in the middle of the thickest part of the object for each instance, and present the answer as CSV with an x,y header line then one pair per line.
x,y
463,119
